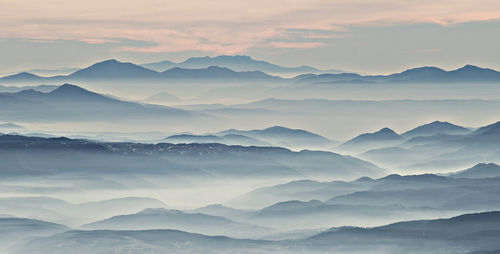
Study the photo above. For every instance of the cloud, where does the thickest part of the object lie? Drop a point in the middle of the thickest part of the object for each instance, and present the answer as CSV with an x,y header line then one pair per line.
x,y
223,26
296,44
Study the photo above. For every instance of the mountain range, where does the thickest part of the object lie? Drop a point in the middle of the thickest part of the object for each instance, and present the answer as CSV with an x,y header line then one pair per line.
x,y
436,128
237,63
113,70
160,218
173,163
364,142
444,150
272,136
70,102
283,136
244,68
468,233
73,214
468,73
481,170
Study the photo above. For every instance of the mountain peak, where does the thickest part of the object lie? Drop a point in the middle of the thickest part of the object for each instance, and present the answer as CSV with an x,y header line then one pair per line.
x,y
277,128
68,87
109,61
367,141
386,130
76,93
436,128
470,67
22,76
481,170
487,129
114,69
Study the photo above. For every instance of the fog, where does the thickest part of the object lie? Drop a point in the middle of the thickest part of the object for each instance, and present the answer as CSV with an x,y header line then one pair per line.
x,y
248,165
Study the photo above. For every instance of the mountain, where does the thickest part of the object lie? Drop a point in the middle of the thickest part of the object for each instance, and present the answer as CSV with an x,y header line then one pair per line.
x,y
237,63
172,163
462,234
468,233
186,138
160,66
173,219
236,139
436,128
426,191
163,97
139,241
420,73
23,77
283,136
301,190
10,126
492,129
440,153
481,170
244,67
224,211
113,69
15,230
468,73
229,139
364,142
215,73
15,89
70,102
74,214
368,202
403,191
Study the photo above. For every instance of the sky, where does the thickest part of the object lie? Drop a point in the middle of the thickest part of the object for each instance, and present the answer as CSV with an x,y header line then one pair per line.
x,y
367,36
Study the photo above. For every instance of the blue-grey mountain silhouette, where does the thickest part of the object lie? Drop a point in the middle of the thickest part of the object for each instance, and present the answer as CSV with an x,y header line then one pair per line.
x,y
436,128
382,138
481,170
237,63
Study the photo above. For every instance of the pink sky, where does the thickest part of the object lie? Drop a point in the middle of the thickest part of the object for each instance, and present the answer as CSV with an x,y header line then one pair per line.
x,y
223,26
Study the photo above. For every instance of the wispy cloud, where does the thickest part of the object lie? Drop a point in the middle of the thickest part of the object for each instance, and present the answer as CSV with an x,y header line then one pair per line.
x,y
223,26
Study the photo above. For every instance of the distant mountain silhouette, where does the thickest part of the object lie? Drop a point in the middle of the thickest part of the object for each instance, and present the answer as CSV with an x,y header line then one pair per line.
x,y
283,136
113,69
194,161
237,63
48,209
472,232
436,128
468,233
15,230
441,152
364,142
187,138
229,139
468,73
214,72
73,102
11,126
492,129
244,67
15,89
160,218
23,77
163,97
481,170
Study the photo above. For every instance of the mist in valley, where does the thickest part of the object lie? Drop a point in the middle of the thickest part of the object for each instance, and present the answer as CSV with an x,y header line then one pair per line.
x,y
204,129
